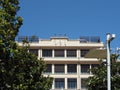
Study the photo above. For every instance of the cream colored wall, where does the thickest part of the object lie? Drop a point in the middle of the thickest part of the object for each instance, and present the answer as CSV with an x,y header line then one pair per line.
x,y
65,43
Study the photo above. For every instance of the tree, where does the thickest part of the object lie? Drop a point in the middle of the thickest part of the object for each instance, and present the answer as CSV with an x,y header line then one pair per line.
x,y
25,72
9,27
99,80
19,70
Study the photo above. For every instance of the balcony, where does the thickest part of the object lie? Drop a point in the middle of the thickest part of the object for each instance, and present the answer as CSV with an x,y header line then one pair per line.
x,y
70,60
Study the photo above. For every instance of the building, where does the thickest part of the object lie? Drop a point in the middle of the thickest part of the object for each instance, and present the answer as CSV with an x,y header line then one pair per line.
x,y
65,59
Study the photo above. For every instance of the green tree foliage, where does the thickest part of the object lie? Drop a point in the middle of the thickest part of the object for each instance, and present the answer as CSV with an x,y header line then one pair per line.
x,y
19,70
99,80
24,72
9,27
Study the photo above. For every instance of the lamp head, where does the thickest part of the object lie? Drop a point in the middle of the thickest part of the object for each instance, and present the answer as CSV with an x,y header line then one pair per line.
x,y
110,37
113,36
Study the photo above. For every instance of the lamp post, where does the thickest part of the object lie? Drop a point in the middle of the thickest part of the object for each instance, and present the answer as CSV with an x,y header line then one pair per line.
x,y
109,39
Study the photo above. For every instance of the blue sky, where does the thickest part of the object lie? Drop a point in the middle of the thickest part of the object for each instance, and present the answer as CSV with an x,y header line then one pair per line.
x,y
75,18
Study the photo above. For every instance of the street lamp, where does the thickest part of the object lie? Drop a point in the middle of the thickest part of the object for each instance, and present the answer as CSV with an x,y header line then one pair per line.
x,y
109,39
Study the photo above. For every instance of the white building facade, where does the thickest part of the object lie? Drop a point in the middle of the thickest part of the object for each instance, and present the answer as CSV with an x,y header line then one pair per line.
x,y
65,60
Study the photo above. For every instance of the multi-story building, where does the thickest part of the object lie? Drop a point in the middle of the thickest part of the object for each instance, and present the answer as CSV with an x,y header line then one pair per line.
x,y
65,60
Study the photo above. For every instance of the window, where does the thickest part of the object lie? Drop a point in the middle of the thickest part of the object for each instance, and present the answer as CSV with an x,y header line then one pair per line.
x,y
72,68
59,68
72,83
48,68
85,68
83,85
46,52
34,51
84,52
59,83
59,53
71,53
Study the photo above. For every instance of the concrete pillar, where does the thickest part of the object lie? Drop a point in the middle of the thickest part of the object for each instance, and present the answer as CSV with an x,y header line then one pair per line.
x,y
65,83
39,53
78,78
90,68
53,70
53,85
65,68
65,53
78,53
53,53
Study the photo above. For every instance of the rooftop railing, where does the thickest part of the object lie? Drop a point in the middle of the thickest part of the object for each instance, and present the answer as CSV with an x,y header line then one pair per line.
x,y
28,38
82,39
85,39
